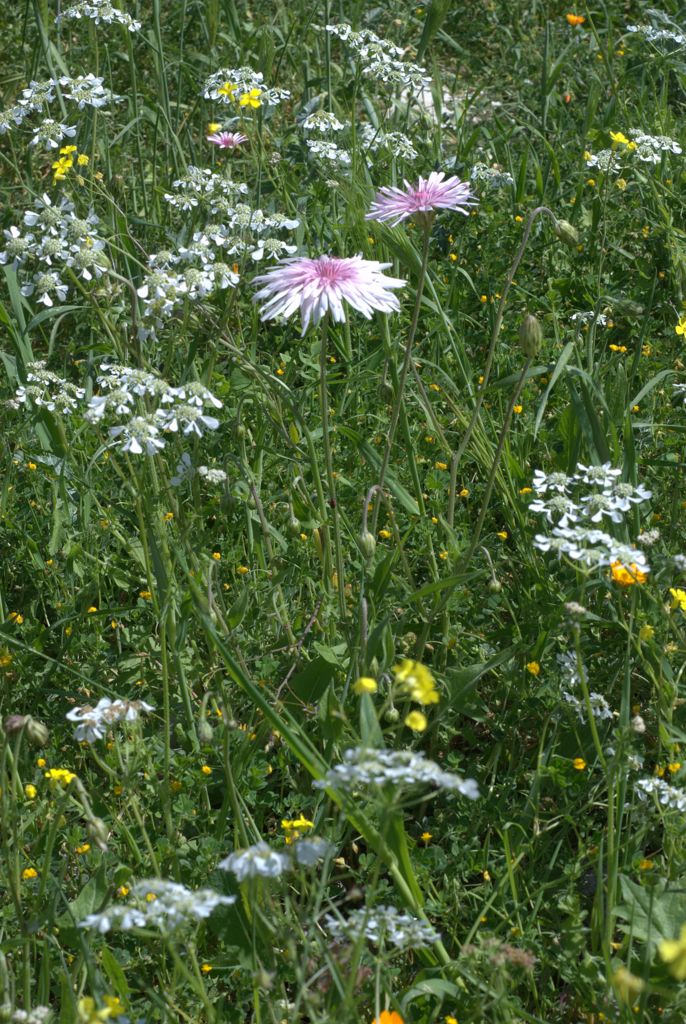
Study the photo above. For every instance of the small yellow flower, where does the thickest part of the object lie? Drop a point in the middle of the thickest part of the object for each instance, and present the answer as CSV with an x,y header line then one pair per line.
x,y
213,126
646,864
30,791
440,465
673,952
242,570
450,1019
426,838
294,827
503,534
92,610
175,785
627,575
217,556
434,520
579,763
674,767
59,777
443,555
575,20
483,298
486,876
620,138
83,160
646,632
123,891
251,99
518,219
365,684
452,257
417,680
16,618
525,490
620,184
464,493
206,770
626,985
385,534
206,968
618,348
533,668
226,90
32,466
168,516
679,597
145,594
591,181
417,721
83,848
681,326
41,762
435,387
5,660
28,873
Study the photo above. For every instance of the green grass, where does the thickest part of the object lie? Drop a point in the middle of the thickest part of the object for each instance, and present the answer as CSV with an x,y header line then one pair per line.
x,y
375,508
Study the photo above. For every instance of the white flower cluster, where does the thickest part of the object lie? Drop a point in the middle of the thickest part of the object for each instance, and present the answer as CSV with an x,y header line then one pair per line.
x,y
323,122
589,317
669,796
38,1015
261,861
367,767
658,35
569,670
45,389
57,237
328,151
229,84
610,500
185,470
179,409
383,926
158,903
99,11
380,59
605,161
93,722
395,143
201,186
84,91
492,176
649,148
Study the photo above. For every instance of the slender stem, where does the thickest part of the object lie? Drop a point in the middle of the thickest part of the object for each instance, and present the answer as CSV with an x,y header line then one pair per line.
x,y
331,480
395,413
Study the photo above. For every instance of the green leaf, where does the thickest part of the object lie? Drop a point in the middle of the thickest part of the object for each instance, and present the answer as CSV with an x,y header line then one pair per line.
x,y
651,912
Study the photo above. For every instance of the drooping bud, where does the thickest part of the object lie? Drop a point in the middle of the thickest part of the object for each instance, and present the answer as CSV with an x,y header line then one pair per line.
x,y
566,233
391,715
495,586
530,335
98,831
36,732
368,544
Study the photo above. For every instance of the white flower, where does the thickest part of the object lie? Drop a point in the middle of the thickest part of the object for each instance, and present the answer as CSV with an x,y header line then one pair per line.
x,y
258,861
322,121
328,151
376,768
557,482
94,721
383,926
44,285
140,435
158,903
668,796
51,133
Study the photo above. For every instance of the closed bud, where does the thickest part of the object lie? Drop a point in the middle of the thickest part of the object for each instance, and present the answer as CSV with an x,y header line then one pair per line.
x,y
530,335
367,544
294,526
495,586
37,732
98,831
14,724
392,715
205,732
566,233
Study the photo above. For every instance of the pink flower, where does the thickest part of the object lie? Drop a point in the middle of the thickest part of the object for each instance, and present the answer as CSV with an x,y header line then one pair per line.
x,y
427,196
323,285
227,140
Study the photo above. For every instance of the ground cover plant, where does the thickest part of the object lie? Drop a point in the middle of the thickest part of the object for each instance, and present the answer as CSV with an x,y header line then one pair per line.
x,y
343,594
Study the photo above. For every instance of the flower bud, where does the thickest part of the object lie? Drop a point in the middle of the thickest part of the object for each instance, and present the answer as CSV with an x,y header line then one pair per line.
x,y
368,544
294,527
392,715
495,586
14,724
98,831
638,724
36,732
566,233
205,732
530,335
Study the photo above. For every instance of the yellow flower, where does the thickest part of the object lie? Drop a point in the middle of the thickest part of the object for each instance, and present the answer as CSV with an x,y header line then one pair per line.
x,y
226,90
84,848
145,594
416,679
28,873
440,465
30,791
464,493
503,534
16,618
59,777
242,570
618,348
206,770
646,864
533,668
92,610
681,326
525,490
213,126
674,767
83,160
293,827
251,99
41,762
626,985
5,660
647,632
206,968
620,138
88,1012
417,721
216,555
627,575
575,20
673,952
365,684
517,409
426,838
385,534
168,516
579,763
679,598
450,1019
519,219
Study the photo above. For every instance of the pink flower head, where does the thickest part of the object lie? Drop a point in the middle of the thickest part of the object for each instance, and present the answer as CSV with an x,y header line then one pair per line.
x,y
427,196
323,285
227,140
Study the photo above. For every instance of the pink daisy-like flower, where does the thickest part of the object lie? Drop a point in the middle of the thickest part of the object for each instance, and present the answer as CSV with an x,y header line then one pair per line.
x,y
426,197
323,285
227,140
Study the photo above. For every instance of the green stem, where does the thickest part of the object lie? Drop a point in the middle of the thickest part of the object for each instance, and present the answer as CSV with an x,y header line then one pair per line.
x,y
331,480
